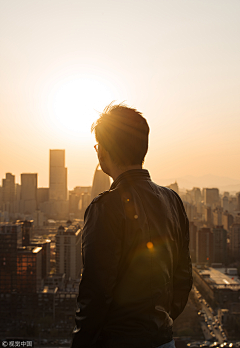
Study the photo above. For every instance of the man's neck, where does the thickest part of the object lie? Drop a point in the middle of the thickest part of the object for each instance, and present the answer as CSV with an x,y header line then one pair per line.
x,y
116,171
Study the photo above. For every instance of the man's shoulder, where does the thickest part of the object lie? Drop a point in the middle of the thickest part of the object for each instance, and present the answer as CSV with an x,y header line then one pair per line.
x,y
105,204
165,190
168,194
105,197
100,197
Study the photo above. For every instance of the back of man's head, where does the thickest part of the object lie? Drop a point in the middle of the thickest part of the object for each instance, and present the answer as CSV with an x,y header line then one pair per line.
x,y
123,132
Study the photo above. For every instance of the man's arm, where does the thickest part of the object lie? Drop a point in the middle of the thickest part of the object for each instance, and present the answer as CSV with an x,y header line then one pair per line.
x,y
101,251
182,278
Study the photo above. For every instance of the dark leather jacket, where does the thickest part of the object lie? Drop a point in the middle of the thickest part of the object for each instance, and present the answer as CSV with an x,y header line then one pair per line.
x,y
137,270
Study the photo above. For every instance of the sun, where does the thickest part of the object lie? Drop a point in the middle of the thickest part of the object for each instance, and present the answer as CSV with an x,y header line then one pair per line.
x,y
74,103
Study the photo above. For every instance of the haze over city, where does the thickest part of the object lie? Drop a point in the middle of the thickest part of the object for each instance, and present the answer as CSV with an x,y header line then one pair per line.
x,y
61,63
176,62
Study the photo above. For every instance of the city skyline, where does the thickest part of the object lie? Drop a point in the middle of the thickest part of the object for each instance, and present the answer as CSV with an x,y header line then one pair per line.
x,y
177,63
62,62
186,182
40,255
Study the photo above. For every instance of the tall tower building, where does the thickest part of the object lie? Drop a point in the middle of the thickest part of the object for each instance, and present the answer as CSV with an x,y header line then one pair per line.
x,y
224,203
42,195
29,192
27,231
238,200
211,195
227,220
1,201
29,269
85,201
10,241
235,241
219,245
101,182
79,199
190,210
232,204
57,176
192,240
197,195
45,245
8,188
217,216
68,251
204,245
208,215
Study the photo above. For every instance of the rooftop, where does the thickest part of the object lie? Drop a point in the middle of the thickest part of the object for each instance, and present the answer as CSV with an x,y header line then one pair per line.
x,y
11,223
219,279
29,249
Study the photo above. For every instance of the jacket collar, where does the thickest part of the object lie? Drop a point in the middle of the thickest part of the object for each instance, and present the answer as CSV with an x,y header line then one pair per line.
x,y
131,176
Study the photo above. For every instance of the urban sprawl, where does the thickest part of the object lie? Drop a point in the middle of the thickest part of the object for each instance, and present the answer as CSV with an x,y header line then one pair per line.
x,y
41,265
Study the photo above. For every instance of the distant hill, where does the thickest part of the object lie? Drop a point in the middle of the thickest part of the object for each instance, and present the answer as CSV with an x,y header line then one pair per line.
x,y
208,180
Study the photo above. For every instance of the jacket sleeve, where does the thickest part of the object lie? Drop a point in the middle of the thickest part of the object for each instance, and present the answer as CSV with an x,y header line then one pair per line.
x,y
101,250
182,277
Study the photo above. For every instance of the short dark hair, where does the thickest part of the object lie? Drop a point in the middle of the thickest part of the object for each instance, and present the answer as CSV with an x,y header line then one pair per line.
x,y
123,132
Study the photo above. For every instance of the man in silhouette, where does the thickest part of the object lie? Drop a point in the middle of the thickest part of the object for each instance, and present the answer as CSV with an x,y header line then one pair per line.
x,y
136,266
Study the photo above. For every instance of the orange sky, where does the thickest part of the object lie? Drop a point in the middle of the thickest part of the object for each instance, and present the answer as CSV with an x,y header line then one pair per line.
x,y
177,62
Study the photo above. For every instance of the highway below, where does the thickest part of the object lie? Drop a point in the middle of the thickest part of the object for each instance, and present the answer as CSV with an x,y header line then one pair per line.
x,y
210,324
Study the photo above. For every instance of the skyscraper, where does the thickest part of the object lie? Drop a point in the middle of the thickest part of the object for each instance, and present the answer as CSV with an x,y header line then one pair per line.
x,y
8,188
238,201
235,241
42,195
204,245
45,245
197,196
211,195
57,176
217,216
79,199
29,192
208,215
192,240
224,203
219,245
227,220
1,201
29,269
68,251
27,231
101,182
10,241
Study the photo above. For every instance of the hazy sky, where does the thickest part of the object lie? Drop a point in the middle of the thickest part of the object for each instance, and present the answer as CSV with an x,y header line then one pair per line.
x,y
177,61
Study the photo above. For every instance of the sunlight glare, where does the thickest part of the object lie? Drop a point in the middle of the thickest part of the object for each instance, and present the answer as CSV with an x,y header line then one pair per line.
x,y
75,103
